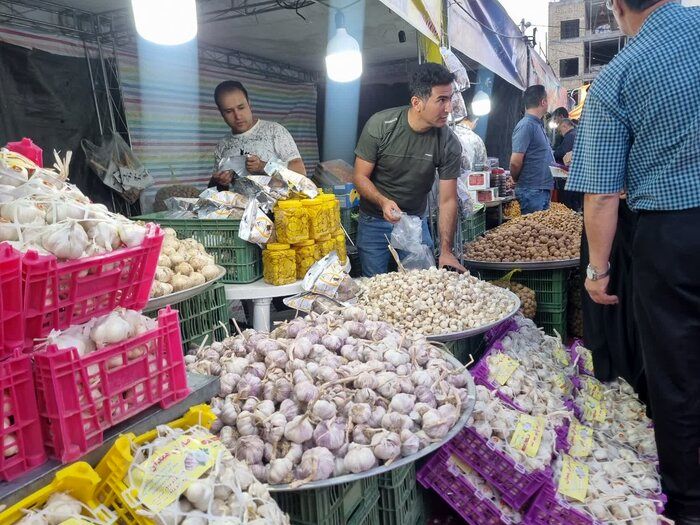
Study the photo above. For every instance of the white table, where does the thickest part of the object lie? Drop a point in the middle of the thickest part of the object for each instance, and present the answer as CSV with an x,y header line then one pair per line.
x,y
262,294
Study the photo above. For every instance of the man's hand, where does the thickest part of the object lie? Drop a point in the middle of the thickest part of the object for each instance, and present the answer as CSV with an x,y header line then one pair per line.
x,y
567,158
391,211
448,259
223,178
598,290
254,165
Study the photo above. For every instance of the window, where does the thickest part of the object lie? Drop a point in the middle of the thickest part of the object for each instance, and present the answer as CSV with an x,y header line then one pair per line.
x,y
568,67
569,29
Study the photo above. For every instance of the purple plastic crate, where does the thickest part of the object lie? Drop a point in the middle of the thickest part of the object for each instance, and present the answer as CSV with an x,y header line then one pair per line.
x,y
515,484
548,509
499,331
458,492
480,373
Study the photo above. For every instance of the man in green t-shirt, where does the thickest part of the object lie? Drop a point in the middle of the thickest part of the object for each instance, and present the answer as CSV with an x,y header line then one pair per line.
x,y
396,158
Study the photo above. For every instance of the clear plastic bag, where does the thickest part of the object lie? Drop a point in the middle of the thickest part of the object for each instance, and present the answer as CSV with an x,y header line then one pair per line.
x,y
455,66
407,236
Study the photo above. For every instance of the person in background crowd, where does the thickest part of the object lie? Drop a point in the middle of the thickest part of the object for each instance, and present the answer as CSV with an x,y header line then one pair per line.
x,y
258,140
633,136
396,158
532,154
474,155
567,131
557,116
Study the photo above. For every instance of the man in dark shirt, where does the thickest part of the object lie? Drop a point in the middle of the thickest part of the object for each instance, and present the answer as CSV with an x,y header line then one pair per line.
x,y
557,116
567,130
396,158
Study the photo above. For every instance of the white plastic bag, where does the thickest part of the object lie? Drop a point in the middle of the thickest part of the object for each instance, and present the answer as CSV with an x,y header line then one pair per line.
x,y
455,66
256,227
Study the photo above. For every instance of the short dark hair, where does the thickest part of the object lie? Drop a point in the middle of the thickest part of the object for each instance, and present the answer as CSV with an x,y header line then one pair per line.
x,y
227,86
560,112
640,5
568,122
427,76
534,95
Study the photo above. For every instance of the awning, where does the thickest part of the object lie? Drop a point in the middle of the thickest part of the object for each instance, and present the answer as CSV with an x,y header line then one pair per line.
x,y
424,15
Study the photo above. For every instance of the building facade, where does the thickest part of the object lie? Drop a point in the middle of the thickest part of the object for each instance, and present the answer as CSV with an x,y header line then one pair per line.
x,y
583,37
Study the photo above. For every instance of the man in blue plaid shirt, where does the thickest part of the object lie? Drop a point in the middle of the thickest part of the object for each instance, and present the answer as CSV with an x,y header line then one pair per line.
x,y
640,131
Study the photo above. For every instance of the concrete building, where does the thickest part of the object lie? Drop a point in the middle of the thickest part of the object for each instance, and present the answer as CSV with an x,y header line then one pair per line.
x,y
583,37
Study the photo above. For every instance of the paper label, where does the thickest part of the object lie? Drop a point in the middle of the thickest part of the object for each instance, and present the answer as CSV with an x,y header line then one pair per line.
x,y
528,434
76,521
594,389
559,381
174,467
502,367
574,478
580,439
588,361
561,356
593,409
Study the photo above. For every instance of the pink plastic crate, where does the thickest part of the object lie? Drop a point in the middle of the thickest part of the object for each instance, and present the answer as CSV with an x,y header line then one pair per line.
x,y
515,485
20,426
549,509
80,397
458,492
60,294
11,321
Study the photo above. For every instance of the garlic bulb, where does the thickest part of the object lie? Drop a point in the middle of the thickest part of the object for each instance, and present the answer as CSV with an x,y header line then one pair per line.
x,y
65,240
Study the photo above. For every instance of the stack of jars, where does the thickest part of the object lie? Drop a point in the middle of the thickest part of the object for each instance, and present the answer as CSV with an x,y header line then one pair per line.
x,y
307,230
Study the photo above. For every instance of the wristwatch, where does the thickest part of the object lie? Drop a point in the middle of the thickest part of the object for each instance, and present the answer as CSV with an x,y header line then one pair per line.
x,y
594,275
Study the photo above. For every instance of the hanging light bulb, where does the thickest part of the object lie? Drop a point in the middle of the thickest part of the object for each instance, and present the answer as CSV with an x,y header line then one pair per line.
x,y
343,55
166,22
481,104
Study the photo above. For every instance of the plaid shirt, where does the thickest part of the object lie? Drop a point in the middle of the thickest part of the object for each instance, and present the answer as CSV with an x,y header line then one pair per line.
x,y
640,127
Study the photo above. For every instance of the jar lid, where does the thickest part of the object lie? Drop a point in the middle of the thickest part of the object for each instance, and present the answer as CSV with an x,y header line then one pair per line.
x,y
277,246
289,204
324,238
309,242
327,197
311,202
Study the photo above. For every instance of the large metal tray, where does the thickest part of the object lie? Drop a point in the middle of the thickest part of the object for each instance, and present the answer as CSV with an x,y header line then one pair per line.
x,y
523,265
182,295
453,336
349,478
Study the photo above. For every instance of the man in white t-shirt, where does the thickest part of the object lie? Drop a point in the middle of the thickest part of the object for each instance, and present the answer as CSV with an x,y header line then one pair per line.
x,y
254,141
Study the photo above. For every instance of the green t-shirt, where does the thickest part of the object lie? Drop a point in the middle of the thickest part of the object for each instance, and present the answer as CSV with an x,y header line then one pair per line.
x,y
405,161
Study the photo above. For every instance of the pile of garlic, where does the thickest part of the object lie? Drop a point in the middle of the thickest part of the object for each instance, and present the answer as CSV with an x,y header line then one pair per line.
x,y
182,265
434,302
227,493
330,394
51,216
59,507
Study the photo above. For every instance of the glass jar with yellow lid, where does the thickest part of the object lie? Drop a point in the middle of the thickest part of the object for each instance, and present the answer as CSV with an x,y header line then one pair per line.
x,y
324,245
317,211
305,257
332,208
291,221
279,264
339,238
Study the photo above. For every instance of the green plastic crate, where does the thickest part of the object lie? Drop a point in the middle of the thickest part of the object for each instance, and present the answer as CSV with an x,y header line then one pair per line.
x,y
242,260
345,504
552,320
463,348
400,501
473,226
348,218
550,286
368,513
202,315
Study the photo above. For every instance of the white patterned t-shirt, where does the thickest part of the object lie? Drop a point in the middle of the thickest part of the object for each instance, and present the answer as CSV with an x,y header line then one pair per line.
x,y
266,139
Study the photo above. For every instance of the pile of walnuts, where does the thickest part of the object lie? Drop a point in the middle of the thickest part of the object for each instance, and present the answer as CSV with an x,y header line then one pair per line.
x,y
528,302
550,235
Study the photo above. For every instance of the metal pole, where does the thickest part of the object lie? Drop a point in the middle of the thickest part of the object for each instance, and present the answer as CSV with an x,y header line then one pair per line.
x,y
119,86
92,85
106,80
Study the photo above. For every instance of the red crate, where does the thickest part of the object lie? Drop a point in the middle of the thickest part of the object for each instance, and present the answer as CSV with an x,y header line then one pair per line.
x,y
60,294
80,397
458,492
11,321
515,484
19,418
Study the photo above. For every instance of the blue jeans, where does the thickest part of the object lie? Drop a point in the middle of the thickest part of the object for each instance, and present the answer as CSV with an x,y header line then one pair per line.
x,y
372,243
532,200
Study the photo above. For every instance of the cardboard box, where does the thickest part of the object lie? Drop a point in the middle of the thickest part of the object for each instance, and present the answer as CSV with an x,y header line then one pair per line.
x,y
488,195
478,180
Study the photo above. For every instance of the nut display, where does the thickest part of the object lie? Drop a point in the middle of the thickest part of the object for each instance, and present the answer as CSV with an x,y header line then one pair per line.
x,y
528,302
434,302
549,235
511,210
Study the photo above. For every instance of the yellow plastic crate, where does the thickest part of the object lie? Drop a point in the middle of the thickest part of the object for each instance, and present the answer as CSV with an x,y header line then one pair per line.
x,y
78,480
114,466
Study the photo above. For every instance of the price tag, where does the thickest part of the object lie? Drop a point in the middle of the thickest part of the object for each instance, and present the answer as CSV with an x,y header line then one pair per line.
x,y
76,521
528,434
594,388
593,409
588,360
581,440
172,468
559,381
502,367
561,356
574,478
